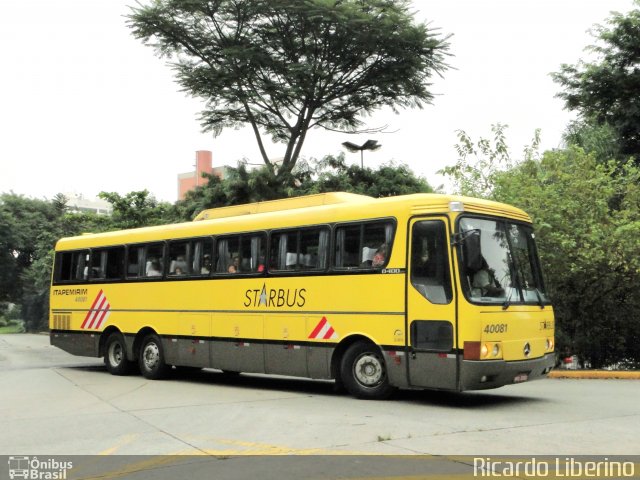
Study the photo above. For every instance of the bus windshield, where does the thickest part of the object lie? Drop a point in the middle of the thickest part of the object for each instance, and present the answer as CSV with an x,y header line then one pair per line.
x,y
499,263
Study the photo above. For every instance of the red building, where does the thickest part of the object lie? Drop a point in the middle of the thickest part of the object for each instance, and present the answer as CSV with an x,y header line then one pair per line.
x,y
190,180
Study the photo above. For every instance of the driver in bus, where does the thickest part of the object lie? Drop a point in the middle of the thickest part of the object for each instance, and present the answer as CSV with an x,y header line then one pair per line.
x,y
485,280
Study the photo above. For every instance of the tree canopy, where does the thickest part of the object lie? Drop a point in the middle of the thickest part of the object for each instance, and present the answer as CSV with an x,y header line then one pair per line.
x,y
605,90
330,174
286,66
586,212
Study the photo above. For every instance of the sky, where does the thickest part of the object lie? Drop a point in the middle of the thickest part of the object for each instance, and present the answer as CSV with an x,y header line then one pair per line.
x,y
85,107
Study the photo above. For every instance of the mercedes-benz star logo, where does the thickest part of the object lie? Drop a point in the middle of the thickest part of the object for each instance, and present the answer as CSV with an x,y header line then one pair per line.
x,y
527,349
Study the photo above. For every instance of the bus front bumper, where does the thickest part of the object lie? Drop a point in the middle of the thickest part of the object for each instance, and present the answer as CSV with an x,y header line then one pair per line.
x,y
485,374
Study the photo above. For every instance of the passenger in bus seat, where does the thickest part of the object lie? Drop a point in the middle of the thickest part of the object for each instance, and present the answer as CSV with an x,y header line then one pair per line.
x,y
380,256
206,265
235,265
155,270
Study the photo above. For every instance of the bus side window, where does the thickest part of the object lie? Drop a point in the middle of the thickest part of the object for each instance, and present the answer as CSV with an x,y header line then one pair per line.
x,y
253,253
179,254
135,261
201,256
365,245
153,260
300,250
107,264
71,266
227,249
429,261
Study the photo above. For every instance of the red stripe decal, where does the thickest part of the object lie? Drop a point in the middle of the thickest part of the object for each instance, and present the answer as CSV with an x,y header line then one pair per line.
x,y
91,310
102,315
329,333
104,299
318,327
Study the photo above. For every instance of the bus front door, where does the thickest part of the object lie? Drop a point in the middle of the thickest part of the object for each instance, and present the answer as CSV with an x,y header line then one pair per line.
x,y
431,325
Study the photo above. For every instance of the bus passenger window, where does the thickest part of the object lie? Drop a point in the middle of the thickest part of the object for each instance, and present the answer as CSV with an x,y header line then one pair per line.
x,y
135,261
201,256
429,261
365,245
72,266
304,249
241,254
154,260
107,264
179,252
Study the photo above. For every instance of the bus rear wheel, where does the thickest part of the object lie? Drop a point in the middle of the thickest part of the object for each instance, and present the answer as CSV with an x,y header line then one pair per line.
x,y
151,359
363,372
115,356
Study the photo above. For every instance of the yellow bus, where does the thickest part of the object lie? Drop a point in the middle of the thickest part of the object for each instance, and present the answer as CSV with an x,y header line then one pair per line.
x,y
420,291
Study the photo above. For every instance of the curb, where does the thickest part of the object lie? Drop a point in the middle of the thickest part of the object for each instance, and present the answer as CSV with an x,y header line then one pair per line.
x,y
595,374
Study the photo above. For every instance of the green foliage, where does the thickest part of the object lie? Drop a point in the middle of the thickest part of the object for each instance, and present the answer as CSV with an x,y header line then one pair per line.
x,y
331,174
586,211
605,91
479,163
29,229
21,228
137,209
600,140
286,66
589,249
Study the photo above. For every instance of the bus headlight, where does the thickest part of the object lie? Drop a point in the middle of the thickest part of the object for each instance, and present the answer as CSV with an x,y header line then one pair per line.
x,y
490,350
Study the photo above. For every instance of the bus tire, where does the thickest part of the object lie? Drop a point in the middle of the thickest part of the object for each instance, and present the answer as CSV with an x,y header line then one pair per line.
x,y
151,359
115,355
363,372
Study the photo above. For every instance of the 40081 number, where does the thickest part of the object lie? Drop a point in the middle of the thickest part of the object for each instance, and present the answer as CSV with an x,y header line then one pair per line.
x,y
496,328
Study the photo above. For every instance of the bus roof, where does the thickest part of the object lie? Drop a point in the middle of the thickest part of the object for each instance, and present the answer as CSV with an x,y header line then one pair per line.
x,y
331,198
298,211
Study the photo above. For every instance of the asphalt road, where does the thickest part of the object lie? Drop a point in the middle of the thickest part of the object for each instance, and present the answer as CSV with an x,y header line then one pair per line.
x,y
57,404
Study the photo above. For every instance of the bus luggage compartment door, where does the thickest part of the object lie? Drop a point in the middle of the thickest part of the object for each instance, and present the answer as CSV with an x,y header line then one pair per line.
x,y
193,342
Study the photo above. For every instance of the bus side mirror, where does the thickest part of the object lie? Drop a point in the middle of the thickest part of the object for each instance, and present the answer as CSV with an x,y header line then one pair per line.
x,y
472,251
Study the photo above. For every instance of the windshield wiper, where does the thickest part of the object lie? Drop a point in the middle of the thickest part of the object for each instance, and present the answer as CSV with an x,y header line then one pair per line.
x,y
507,301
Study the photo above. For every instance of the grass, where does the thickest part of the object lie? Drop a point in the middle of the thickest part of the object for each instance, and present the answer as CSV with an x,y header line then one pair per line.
x,y
12,329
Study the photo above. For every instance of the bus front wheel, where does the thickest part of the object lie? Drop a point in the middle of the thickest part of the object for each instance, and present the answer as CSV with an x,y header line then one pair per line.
x,y
363,372
151,360
115,356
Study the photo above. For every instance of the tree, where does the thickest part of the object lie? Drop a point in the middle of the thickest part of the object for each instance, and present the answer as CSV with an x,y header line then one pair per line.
x,y
137,209
589,250
474,173
600,140
605,91
330,174
586,212
286,66
22,220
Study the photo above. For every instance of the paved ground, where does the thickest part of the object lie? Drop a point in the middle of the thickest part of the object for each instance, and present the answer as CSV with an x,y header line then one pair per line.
x,y
58,404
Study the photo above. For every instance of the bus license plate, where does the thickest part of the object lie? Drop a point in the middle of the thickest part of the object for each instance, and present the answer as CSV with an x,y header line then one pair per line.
x,y
521,377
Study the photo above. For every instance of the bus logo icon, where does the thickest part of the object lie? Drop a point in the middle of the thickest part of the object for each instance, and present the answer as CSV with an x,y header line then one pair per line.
x,y
18,467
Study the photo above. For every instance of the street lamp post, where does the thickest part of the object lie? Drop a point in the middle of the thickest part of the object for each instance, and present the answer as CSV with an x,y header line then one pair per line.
x,y
368,145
